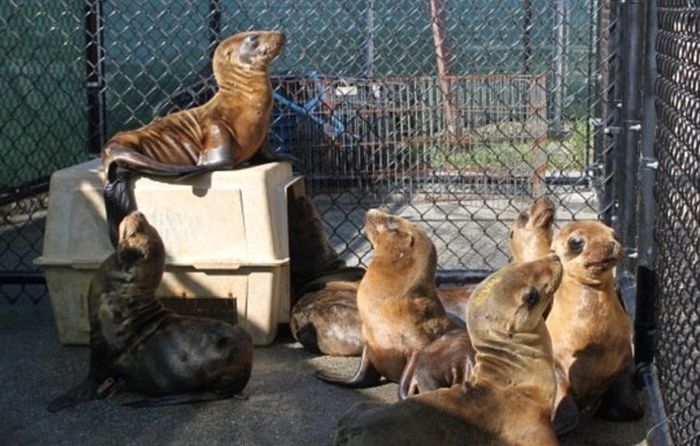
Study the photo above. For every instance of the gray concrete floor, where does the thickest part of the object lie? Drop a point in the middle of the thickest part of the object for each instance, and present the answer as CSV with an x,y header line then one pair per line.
x,y
287,405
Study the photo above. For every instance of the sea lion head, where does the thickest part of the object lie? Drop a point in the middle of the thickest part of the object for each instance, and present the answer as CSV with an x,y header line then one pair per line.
x,y
400,241
141,251
589,251
250,50
513,300
531,232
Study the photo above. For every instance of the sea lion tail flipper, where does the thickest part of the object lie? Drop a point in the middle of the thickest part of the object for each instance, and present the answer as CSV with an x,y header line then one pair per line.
x,y
365,376
306,335
85,391
407,376
202,169
180,398
119,198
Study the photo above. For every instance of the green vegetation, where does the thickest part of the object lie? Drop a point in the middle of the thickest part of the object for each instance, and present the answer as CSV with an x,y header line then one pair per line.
x,y
568,153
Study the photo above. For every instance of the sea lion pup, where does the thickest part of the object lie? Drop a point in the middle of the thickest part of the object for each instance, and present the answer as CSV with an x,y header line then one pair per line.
x,y
448,359
591,333
529,238
398,304
507,399
134,341
324,316
223,133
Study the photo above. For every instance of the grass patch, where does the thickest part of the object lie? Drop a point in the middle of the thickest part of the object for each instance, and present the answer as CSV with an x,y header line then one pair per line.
x,y
568,153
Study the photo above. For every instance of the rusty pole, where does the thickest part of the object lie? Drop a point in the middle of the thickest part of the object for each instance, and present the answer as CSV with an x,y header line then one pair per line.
x,y
442,53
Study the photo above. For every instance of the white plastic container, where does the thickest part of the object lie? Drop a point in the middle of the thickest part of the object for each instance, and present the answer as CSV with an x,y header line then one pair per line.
x,y
225,236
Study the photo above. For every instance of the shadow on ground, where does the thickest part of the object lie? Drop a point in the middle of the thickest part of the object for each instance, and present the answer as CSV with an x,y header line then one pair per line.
x,y
287,405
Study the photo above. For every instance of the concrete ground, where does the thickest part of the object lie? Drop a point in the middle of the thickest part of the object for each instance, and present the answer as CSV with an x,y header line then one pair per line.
x,y
287,405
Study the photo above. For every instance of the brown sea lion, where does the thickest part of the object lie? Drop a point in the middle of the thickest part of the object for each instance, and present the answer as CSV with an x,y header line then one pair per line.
x,y
223,133
507,399
530,238
397,301
448,359
327,321
591,332
150,350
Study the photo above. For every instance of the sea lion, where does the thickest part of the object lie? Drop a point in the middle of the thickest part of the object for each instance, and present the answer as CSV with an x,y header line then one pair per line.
x,y
448,359
311,254
507,399
590,330
324,316
327,321
397,300
228,130
150,350
529,238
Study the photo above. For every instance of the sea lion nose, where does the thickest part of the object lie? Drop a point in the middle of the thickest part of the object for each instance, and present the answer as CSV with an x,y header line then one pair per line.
x,y
554,257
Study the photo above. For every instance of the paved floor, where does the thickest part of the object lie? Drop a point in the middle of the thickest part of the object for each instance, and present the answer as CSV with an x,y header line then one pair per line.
x,y
287,405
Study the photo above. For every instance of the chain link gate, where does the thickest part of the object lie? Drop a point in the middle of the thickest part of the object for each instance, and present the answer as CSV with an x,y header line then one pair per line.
x,y
675,59
452,113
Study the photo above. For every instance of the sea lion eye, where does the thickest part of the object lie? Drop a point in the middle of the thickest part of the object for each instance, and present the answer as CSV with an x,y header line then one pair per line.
x,y
523,218
510,234
576,244
531,297
392,224
252,41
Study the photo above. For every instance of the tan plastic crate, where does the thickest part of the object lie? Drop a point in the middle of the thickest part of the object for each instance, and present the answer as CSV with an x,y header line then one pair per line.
x,y
225,235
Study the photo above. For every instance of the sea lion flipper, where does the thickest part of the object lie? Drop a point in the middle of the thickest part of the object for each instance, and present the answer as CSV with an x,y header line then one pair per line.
x,y
173,400
216,155
566,416
85,391
621,402
407,377
365,376
119,198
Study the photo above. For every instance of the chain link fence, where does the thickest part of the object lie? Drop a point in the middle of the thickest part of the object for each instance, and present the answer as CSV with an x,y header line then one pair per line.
x,y
678,216
453,113
42,127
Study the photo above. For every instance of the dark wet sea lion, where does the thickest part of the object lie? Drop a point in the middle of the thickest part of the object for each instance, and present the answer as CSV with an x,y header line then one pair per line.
x,y
153,351
228,130
591,332
397,301
448,359
311,254
507,399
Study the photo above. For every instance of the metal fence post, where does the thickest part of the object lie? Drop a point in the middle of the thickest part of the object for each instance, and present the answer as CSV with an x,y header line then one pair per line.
x,y
94,57
626,158
645,316
559,66
607,109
